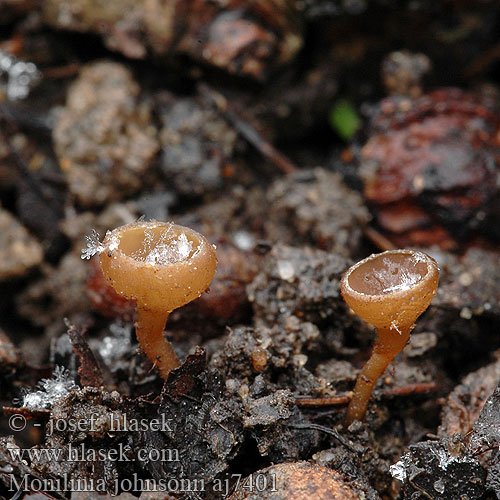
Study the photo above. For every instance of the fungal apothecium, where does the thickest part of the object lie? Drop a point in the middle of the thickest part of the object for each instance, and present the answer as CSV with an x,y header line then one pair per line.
x,y
162,266
390,291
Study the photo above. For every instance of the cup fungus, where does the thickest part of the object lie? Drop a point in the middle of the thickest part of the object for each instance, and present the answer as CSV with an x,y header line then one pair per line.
x,y
162,266
390,291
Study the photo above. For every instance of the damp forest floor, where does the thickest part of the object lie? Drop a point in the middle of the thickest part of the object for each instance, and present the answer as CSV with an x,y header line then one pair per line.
x,y
299,140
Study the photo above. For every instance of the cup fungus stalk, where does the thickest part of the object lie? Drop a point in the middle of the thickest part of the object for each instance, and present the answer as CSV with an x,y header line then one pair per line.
x,y
390,291
162,266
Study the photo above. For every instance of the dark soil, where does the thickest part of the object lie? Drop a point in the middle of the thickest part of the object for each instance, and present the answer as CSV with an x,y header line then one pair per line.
x,y
298,137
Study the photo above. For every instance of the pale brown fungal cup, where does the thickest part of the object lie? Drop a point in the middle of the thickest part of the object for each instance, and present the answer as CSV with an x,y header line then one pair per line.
x,y
390,291
162,266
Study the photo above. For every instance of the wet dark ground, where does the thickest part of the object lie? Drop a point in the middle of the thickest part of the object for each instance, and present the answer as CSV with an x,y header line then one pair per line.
x,y
223,118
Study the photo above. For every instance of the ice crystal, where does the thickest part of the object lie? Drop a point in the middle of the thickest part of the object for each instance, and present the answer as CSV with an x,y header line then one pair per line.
x,y
168,248
439,486
60,385
50,390
398,470
94,245
36,400
393,277
117,344
21,76
435,453
395,326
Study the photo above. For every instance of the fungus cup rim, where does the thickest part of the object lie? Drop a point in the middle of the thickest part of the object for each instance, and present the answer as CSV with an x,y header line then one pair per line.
x,y
111,243
432,273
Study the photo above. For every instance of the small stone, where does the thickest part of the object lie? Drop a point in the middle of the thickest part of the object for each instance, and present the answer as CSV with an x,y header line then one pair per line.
x,y
103,137
286,270
465,279
196,144
420,343
299,359
316,208
19,252
243,240
466,313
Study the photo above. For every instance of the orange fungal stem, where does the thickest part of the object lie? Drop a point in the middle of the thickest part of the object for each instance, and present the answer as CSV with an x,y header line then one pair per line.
x,y
149,331
389,345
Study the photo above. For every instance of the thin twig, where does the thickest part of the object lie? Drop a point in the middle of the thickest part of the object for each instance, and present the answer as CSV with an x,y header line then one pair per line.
x,y
418,388
331,401
378,239
59,72
247,131
332,432
483,62
407,390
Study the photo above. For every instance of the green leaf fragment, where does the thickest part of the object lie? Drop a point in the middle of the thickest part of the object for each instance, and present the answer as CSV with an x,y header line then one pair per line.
x,y
344,119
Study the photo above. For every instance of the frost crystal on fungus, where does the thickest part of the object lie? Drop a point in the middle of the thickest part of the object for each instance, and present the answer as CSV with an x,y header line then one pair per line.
x,y
94,245
50,390
169,248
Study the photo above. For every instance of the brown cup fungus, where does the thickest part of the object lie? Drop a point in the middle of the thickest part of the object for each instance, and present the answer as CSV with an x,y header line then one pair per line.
x,y
162,266
390,291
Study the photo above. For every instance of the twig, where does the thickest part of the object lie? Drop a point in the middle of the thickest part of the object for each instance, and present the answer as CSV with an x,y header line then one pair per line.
x,y
407,390
247,131
418,388
332,432
483,62
67,71
332,401
378,239
28,413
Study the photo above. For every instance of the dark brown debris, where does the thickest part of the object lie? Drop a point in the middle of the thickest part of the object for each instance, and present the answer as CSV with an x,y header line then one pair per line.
x,y
60,287
441,470
248,42
248,132
181,380
18,469
88,371
464,404
471,284
429,165
219,115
